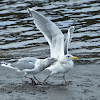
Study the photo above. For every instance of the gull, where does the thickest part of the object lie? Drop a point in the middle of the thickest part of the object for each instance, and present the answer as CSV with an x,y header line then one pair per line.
x,y
58,44
30,65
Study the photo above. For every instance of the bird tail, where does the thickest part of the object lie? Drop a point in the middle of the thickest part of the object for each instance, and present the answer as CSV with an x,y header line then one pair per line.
x,y
8,65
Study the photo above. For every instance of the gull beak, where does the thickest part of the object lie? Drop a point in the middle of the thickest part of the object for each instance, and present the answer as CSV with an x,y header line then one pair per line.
x,y
75,57
56,59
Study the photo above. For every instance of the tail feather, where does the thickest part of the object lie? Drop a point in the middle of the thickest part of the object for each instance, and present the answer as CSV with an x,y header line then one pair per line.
x,y
8,65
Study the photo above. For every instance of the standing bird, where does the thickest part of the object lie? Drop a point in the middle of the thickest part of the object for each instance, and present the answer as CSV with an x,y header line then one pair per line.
x,y
58,47
30,65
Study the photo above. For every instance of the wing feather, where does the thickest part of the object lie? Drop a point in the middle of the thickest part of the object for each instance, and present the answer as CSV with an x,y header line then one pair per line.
x,y
51,32
68,39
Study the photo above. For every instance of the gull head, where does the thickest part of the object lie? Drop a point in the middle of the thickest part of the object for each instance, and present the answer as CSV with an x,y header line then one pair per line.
x,y
71,29
70,57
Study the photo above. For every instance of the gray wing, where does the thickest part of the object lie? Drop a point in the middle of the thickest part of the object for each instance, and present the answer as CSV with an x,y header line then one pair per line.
x,y
68,39
28,59
51,32
25,63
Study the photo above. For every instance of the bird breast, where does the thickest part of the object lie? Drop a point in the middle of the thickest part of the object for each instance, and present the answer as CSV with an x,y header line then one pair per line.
x,y
67,66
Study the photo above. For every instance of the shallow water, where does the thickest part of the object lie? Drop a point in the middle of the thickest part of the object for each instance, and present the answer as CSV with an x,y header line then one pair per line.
x,y
17,30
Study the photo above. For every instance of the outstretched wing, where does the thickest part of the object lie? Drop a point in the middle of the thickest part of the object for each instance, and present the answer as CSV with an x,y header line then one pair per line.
x,y
51,32
68,39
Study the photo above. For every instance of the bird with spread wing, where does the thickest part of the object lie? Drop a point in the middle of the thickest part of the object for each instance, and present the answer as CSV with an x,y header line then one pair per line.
x,y
58,44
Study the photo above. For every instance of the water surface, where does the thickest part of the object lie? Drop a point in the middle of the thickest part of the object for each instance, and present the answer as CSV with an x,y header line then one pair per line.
x,y
17,30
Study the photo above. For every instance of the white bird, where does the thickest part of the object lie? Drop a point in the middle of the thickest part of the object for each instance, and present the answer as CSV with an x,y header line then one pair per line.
x,y
55,38
30,65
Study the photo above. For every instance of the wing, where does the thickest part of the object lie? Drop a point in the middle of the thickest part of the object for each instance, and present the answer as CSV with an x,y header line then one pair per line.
x,y
51,32
68,39
25,63
28,59
21,65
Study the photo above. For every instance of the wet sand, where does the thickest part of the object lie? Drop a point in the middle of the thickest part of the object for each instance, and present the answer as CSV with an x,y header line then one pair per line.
x,y
85,81
85,85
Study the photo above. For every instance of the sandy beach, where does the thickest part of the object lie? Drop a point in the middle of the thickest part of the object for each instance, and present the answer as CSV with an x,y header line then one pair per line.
x,y
85,84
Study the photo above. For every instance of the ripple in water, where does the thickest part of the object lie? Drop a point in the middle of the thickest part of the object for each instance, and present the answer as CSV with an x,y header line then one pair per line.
x,y
17,30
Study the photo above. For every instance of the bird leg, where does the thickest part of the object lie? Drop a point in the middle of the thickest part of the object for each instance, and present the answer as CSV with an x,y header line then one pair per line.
x,y
67,83
64,78
46,79
37,79
33,82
